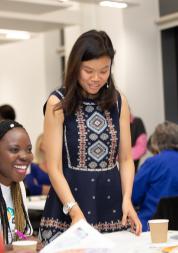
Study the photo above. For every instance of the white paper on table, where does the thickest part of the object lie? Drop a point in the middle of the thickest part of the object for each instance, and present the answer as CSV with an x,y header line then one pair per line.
x,y
80,236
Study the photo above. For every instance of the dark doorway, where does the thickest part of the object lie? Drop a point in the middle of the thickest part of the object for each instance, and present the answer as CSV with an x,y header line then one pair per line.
x,y
170,72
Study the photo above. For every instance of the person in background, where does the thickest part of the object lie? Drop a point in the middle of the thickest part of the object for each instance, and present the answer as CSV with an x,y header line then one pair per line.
x,y
138,139
158,175
152,146
86,126
37,181
7,112
15,157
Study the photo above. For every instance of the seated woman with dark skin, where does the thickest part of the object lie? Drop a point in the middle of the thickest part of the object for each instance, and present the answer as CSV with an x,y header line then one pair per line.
x,y
15,157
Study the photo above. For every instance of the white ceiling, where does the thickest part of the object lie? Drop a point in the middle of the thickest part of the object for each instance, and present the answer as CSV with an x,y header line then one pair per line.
x,y
131,2
31,15
32,6
40,15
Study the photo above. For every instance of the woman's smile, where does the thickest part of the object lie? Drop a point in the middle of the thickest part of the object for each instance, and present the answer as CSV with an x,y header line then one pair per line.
x,y
94,74
15,155
21,169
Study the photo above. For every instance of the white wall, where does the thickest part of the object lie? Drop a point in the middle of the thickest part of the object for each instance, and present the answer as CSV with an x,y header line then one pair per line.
x,y
71,33
141,60
53,75
29,70
137,68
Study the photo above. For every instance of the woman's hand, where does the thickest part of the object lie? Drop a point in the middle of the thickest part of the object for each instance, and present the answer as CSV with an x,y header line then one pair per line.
x,y
130,213
45,189
76,214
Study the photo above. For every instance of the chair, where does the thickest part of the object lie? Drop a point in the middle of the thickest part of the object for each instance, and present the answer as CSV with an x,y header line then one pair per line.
x,y
168,209
35,218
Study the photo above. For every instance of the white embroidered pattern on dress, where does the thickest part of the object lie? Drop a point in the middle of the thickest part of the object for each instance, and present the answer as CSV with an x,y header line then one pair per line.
x,y
94,155
56,225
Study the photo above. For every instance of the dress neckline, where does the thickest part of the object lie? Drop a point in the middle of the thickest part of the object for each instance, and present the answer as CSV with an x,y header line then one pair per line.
x,y
89,101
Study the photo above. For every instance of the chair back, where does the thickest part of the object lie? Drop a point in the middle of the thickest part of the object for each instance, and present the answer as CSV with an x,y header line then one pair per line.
x,y
168,209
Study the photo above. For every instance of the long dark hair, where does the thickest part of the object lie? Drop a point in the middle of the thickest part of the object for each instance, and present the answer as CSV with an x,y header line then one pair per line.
x,y
90,45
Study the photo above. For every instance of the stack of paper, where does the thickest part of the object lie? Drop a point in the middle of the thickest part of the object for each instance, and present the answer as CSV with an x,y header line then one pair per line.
x,y
81,236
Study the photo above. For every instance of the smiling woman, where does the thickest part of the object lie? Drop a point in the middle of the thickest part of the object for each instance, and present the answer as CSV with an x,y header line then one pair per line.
x,y
94,75
15,157
86,129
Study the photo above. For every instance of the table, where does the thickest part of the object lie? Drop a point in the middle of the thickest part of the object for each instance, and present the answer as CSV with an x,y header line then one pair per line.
x,y
35,205
36,202
126,242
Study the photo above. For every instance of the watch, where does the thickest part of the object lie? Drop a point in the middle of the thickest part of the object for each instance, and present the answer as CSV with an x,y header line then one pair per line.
x,y
68,206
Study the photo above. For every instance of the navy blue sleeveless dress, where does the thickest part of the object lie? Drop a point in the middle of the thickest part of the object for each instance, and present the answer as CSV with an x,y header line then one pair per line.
x,y
90,149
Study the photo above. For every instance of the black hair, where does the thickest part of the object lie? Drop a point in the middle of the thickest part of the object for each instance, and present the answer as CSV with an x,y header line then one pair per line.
x,y
7,112
21,216
7,125
90,45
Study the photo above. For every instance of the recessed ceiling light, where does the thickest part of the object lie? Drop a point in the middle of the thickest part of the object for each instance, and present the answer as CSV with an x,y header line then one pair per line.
x,y
62,1
113,4
15,34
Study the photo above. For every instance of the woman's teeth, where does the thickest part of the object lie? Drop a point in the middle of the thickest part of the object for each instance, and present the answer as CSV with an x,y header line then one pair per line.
x,y
20,167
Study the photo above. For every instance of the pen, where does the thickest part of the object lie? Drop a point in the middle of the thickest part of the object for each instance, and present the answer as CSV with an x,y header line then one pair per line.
x,y
20,234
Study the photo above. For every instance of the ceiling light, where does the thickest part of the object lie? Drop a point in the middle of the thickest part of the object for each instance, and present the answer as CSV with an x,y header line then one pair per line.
x,y
62,1
14,34
113,4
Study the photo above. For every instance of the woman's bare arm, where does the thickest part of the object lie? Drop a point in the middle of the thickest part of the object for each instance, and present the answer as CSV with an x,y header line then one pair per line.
x,y
53,141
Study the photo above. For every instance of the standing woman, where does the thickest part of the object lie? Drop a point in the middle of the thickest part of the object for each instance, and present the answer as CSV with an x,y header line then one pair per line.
x,y
86,128
15,157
